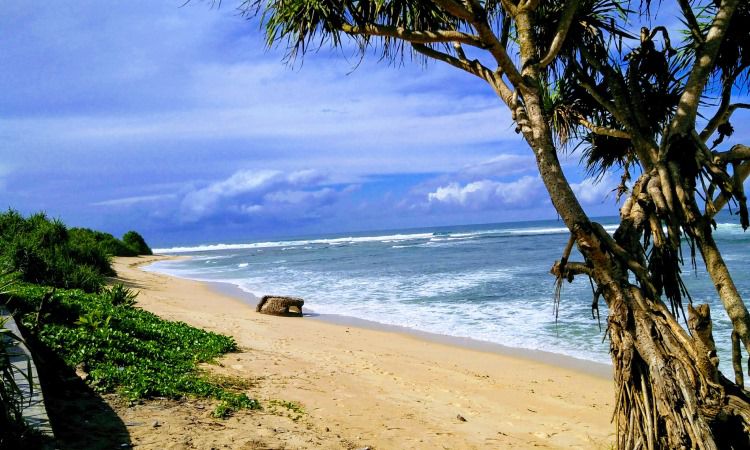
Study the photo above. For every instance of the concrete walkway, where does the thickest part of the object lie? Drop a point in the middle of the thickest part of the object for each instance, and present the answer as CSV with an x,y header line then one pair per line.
x,y
34,410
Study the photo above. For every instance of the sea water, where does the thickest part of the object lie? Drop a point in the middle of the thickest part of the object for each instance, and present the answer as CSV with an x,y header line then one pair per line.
x,y
485,282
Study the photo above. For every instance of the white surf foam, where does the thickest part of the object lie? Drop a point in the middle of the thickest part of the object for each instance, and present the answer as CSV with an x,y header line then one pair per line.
x,y
291,244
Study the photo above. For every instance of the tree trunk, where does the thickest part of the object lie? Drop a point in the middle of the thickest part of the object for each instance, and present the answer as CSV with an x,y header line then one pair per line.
x,y
665,397
668,393
723,282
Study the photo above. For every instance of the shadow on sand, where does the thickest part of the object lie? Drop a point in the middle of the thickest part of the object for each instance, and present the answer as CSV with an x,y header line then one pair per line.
x,y
79,416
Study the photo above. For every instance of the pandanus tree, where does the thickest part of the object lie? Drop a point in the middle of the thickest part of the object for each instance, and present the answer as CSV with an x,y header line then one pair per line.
x,y
638,100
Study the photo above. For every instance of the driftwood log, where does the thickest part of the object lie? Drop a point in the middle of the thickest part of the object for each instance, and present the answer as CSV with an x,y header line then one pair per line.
x,y
280,306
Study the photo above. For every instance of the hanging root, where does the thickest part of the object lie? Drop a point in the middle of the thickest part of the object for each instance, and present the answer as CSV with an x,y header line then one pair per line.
x,y
560,271
701,326
596,293
659,381
740,196
739,379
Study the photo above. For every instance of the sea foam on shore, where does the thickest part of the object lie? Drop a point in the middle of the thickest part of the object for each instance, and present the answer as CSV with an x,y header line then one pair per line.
x,y
488,282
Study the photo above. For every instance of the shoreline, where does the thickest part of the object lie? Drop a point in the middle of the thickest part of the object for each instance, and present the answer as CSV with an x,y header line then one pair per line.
x,y
595,368
370,386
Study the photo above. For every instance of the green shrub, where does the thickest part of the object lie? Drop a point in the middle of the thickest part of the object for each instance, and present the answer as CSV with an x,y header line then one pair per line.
x,y
125,349
44,251
109,244
36,247
136,242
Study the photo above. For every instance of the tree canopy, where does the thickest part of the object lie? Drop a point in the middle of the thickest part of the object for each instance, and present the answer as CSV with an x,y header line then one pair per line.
x,y
637,92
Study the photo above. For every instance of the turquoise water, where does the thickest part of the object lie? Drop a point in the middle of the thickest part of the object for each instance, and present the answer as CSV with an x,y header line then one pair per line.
x,y
487,282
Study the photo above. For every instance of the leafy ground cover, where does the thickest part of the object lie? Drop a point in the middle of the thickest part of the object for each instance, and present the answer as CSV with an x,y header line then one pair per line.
x,y
78,325
117,347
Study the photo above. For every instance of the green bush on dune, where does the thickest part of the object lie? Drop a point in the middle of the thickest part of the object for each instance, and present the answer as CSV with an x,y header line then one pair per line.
x,y
104,241
59,298
44,251
40,250
125,349
136,242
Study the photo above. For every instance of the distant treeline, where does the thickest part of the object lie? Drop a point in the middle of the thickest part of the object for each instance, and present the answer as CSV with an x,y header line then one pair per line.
x,y
44,251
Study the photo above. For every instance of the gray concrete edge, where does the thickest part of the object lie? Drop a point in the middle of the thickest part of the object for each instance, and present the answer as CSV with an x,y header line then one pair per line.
x,y
34,410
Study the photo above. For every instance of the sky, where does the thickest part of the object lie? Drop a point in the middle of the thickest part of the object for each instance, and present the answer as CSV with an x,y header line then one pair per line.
x,y
177,121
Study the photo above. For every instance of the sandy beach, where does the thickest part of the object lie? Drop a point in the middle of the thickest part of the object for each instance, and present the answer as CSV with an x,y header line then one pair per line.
x,y
358,387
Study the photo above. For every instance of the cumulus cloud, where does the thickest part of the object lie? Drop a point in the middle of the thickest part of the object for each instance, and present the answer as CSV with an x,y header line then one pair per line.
x,y
488,193
268,192
592,191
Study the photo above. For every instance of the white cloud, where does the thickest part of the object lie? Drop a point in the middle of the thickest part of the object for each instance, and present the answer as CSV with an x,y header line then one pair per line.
x,y
523,192
591,191
253,192
130,201
300,197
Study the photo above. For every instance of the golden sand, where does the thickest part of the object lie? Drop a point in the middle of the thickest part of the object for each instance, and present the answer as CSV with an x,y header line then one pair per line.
x,y
363,387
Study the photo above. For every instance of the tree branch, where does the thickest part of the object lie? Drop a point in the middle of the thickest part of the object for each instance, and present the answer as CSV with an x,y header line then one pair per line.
x,y
415,36
528,5
606,104
479,21
561,33
737,153
722,115
604,131
510,7
705,58
570,269
455,8
638,270
718,118
741,171
473,67
692,22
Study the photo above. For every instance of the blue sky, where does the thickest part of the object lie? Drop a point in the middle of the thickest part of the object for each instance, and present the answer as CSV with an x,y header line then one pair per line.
x,y
178,122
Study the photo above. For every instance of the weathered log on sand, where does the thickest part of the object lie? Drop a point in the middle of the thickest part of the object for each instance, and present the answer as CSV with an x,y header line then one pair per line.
x,y
280,306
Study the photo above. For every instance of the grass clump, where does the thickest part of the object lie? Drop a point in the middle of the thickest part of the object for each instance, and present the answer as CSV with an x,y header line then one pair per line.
x,y
232,402
295,411
123,349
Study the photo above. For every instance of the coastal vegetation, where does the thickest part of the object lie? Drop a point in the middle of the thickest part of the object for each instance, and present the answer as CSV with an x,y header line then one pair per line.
x,y
602,76
44,251
56,289
136,243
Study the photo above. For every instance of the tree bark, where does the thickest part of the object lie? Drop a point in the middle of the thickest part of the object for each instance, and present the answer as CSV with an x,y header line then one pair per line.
x,y
668,394
719,272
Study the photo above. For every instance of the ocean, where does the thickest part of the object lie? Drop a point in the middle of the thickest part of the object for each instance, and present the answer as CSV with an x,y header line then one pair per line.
x,y
485,282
